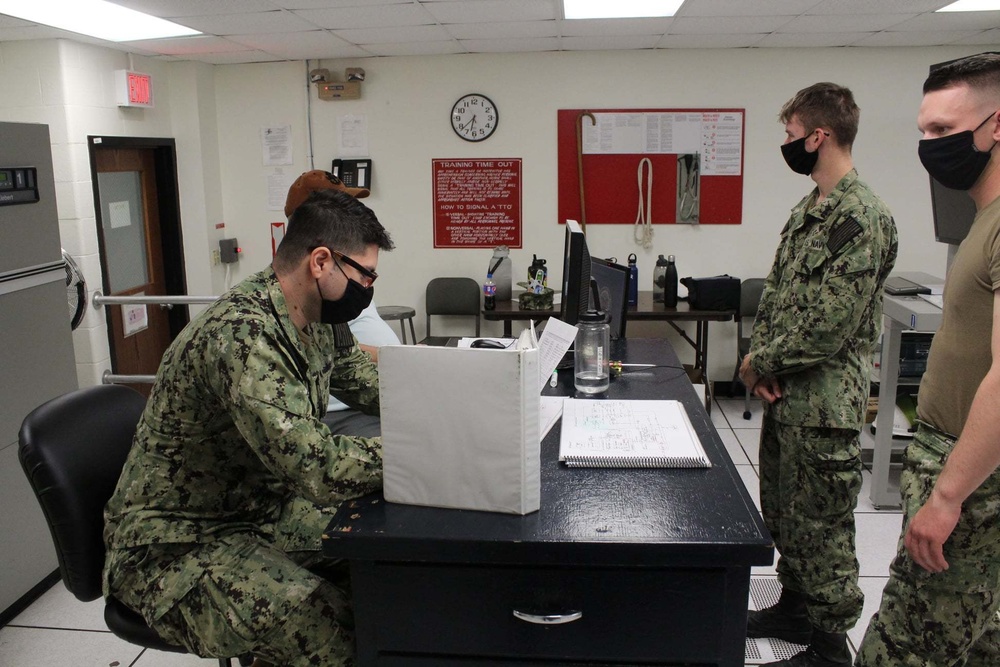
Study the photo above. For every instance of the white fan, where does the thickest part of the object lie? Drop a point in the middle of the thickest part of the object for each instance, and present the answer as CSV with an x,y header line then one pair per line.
x,y
76,291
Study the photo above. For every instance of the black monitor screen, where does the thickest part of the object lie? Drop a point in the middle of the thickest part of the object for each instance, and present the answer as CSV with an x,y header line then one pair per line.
x,y
612,286
954,212
576,274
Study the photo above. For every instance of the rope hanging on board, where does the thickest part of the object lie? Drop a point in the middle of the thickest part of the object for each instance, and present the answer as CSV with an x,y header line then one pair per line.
x,y
579,163
643,230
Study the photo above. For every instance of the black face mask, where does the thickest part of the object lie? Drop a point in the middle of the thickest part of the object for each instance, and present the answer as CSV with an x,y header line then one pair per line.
x,y
356,298
798,158
954,161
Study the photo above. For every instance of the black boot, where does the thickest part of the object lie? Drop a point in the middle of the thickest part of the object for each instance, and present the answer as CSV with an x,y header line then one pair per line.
x,y
827,649
786,619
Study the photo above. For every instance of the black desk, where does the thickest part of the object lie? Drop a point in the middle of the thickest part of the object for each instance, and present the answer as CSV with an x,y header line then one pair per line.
x,y
646,309
657,561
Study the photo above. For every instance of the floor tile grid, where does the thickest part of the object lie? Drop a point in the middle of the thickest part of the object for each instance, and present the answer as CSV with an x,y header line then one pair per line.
x,y
58,629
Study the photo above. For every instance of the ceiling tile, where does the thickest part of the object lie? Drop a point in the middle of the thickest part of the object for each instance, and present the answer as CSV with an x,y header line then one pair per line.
x,y
744,8
305,45
236,58
503,30
31,31
656,26
828,7
413,33
818,40
379,16
178,46
839,23
609,42
510,45
721,26
175,8
246,24
991,37
922,38
709,41
478,11
415,48
952,21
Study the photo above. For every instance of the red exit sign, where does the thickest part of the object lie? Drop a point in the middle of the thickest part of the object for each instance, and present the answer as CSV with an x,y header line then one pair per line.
x,y
133,89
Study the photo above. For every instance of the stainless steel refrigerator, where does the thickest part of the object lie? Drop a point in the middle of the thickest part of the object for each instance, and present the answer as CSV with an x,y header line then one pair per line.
x,y
36,347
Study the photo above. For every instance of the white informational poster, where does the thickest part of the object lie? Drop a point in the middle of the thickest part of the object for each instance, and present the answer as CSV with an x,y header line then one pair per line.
x,y
352,134
276,145
716,136
278,183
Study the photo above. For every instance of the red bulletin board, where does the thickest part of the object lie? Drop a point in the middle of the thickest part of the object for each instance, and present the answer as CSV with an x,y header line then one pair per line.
x,y
611,187
477,203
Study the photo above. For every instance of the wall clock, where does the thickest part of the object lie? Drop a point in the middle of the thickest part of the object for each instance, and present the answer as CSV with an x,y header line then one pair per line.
x,y
474,117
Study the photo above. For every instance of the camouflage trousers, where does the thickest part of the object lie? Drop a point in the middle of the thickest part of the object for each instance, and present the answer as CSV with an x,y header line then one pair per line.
x,y
290,609
809,484
948,618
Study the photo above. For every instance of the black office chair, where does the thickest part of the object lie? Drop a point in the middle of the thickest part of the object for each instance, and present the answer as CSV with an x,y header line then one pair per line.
x,y
73,449
750,293
451,296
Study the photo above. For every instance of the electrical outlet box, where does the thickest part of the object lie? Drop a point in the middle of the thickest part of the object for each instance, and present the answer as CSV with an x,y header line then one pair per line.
x,y
229,251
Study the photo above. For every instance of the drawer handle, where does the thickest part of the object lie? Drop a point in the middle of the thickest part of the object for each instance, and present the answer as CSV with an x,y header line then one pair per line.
x,y
549,619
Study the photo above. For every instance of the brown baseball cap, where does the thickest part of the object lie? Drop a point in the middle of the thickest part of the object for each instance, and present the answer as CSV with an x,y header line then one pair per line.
x,y
314,180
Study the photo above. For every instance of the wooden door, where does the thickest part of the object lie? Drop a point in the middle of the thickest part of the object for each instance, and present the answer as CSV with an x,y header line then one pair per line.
x,y
132,258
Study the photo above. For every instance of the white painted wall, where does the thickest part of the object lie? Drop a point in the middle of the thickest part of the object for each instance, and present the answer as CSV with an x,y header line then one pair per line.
x,y
407,103
215,113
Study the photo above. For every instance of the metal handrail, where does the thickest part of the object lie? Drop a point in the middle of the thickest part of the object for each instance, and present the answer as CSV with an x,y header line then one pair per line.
x,y
112,378
100,300
139,299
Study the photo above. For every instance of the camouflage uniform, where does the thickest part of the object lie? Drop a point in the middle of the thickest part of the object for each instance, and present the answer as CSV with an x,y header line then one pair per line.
x,y
948,618
218,515
819,316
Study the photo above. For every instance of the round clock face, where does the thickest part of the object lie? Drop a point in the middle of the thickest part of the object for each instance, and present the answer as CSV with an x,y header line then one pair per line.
x,y
474,117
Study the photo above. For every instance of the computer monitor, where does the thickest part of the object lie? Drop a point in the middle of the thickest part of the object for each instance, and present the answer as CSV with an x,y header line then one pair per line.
x,y
576,274
953,212
612,286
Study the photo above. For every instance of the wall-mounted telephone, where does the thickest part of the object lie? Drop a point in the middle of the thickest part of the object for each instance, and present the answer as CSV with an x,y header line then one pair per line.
x,y
354,173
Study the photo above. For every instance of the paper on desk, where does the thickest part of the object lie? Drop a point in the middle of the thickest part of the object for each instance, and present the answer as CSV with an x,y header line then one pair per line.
x,y
555,340
933,299
550,413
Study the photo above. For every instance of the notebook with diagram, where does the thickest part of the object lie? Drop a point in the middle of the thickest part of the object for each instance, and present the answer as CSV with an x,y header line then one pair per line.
x,y
629,434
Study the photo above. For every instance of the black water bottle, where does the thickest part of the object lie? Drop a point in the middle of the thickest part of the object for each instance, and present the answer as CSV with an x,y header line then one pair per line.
x,y
633,281
670,284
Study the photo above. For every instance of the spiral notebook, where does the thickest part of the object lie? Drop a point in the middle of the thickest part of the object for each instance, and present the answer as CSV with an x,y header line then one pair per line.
x,y
629,434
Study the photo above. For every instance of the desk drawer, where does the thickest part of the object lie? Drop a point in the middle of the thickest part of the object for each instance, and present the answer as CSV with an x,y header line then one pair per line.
x,y
631,614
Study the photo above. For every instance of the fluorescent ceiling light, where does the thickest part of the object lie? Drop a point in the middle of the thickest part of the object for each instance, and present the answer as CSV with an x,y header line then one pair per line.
x,y
96,18
619,9
972,6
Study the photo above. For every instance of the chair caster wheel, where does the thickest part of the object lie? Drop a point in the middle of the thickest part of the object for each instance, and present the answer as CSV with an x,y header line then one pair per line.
x,y
746,414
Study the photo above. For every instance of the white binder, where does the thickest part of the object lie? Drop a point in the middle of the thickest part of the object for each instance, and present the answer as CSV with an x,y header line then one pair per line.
x,y
460,427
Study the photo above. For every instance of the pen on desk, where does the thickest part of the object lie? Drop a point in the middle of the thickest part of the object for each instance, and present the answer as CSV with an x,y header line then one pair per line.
x,y
554,380
636,365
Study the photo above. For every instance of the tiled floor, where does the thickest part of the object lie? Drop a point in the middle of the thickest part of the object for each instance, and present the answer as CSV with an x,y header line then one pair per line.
x,y
59,630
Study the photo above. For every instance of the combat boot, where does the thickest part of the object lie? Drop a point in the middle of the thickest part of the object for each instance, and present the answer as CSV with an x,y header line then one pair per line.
x,y
827,649
786,619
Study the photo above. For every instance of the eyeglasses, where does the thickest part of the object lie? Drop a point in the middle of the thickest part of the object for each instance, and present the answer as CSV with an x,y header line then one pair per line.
x,y
367,275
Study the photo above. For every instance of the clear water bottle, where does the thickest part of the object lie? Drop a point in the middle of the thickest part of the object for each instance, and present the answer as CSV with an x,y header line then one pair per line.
x,y
591,360
489,293
633,281
659,278
670,284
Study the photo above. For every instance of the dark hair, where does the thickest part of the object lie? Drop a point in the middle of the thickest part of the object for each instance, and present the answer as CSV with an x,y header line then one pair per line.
x,y
332,219
825,105
978,72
